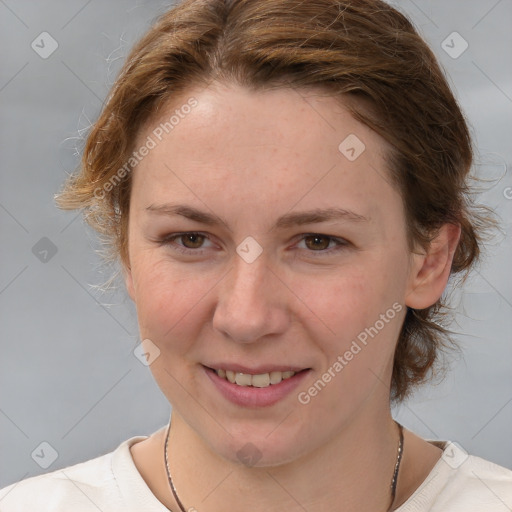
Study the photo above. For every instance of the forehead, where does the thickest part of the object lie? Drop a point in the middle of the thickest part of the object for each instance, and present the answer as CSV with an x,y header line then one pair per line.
x,y
284,145
299,119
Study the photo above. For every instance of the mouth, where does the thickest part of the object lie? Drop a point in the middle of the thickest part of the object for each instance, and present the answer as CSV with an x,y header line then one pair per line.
x,y
261,388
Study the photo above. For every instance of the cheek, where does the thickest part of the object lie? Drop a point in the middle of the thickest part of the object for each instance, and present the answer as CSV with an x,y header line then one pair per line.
x,y
357,317
363,317
170,303
352,299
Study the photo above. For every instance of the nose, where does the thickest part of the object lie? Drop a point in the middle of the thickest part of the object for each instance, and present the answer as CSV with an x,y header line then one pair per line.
x,y
251,302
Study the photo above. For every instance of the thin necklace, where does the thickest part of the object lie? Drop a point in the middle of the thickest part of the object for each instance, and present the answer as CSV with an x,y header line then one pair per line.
x,y
393,481
397,463
173,489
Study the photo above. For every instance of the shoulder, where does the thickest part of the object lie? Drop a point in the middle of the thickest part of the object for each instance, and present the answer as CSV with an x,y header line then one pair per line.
x,y
485,485
83,487
462,482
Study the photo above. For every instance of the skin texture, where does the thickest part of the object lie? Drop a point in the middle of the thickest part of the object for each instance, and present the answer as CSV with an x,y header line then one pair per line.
x,y
250,157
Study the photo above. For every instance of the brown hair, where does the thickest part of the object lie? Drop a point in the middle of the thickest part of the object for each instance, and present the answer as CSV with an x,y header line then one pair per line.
x,y
362,50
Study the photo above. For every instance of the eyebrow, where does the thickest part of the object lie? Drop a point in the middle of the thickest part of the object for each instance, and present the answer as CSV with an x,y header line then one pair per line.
x,y
286,221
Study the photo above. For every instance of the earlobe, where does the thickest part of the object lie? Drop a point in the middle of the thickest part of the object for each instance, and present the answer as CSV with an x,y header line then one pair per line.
x,y
430,271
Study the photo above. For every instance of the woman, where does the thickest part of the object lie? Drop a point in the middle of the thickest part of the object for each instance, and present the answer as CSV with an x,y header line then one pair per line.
x,y
284,184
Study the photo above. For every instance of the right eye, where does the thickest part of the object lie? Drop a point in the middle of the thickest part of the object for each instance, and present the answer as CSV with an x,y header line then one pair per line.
x,y
191,242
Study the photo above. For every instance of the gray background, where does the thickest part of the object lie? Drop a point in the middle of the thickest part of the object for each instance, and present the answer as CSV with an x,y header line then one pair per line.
x,y
68,373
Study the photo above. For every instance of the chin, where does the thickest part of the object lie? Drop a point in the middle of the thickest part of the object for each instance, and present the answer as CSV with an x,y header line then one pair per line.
x,y
260,448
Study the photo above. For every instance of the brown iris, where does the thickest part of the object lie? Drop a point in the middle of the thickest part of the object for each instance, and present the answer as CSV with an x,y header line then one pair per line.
x,y
194,238
317,246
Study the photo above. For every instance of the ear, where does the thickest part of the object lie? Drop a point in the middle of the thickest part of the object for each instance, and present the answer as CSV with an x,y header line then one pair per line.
x,y
430,270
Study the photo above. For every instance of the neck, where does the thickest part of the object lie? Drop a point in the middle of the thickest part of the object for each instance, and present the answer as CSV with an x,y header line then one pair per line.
x,y
350,472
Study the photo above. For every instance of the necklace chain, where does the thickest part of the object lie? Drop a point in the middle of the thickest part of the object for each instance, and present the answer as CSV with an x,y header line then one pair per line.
x,y
173,489
393,481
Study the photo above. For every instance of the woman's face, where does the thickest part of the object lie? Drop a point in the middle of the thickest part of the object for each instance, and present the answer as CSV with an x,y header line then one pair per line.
x,y
265,236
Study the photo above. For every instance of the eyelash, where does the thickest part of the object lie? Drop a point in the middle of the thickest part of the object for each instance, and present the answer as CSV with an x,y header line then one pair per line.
x,y
169,241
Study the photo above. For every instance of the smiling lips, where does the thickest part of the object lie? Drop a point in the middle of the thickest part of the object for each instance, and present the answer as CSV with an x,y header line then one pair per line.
x,y
260,386
261,380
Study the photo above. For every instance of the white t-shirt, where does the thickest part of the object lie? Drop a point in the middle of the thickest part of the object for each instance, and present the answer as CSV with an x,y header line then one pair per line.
x,y
111,483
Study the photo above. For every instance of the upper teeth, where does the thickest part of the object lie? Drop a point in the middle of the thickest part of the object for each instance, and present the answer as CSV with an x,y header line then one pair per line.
x,y
259,381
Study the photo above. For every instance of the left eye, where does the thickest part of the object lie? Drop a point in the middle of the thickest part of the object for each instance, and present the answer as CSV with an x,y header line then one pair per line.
x,y
317,242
